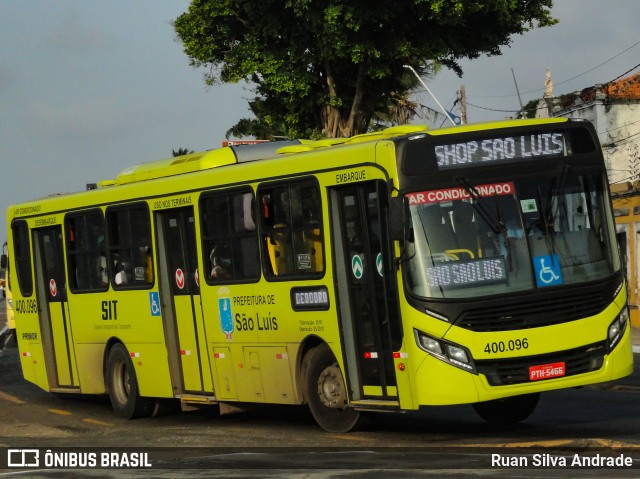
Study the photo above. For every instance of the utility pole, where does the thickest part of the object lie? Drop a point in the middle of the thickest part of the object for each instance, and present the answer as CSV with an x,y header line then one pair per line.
x,y
463,106
518,92
446,113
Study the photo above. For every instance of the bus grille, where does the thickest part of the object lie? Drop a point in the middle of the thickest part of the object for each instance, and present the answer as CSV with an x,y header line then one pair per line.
x,y
502,372
533,314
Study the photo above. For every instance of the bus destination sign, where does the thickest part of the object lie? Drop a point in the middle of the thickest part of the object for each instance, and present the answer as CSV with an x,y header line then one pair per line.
x,y
452,274
500,150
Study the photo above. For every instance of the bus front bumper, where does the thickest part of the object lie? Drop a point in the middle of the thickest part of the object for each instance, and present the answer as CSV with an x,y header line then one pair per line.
x,y
440,383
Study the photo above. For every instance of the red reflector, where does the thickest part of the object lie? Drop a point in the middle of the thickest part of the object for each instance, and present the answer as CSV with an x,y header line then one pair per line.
x,y
396,355
546,371
367,355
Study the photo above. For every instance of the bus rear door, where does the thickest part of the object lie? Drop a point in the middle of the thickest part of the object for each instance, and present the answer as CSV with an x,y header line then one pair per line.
x,y
367,296
181,301
55,320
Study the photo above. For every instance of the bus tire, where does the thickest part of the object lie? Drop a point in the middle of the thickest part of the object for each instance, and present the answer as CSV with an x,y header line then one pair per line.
x,y
122,386
506,411
326,393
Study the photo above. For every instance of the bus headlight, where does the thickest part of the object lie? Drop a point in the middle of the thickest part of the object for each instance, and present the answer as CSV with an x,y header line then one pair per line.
x,y
617,328
451,353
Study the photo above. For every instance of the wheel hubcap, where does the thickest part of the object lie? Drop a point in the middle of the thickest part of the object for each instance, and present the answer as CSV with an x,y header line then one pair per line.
x,y
331,388
121,383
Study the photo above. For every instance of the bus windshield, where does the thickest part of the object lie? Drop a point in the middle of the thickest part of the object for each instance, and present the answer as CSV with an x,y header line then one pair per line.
x,y
475,240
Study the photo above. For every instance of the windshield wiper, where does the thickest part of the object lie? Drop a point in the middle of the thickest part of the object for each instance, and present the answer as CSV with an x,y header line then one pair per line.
x,y
555,190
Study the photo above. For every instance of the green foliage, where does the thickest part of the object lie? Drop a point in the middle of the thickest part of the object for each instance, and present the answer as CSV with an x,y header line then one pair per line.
x,y
181,151
531,108
331,65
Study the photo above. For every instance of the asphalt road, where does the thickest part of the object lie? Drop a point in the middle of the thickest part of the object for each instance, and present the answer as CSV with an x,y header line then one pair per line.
x,y
599,421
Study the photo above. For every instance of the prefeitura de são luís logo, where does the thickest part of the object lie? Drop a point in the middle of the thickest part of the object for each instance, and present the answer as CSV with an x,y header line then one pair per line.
x,y
224,311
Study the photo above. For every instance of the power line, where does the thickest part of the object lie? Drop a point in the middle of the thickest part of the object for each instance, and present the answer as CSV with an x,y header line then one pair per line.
x,y
568,79
613,145
541,108
491,109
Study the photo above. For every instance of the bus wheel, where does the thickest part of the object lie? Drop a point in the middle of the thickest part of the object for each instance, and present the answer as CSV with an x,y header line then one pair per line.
x,y
503,412
326,392
122,385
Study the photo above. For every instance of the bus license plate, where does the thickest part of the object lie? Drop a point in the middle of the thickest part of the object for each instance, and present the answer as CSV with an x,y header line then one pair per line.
x,y
546,371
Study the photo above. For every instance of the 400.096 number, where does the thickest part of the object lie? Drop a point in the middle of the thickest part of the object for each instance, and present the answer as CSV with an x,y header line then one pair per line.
x,y
502,346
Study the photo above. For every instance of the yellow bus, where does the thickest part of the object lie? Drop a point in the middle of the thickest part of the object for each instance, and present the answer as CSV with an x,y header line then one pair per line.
x,y
385,272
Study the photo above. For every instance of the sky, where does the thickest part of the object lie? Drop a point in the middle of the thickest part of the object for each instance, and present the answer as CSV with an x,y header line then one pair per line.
x,y
91,87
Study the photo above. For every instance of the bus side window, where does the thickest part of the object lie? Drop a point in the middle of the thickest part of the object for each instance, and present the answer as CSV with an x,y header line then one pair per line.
x,y
278,238
229,236
129,235
22,255
86,251
292,230
310,257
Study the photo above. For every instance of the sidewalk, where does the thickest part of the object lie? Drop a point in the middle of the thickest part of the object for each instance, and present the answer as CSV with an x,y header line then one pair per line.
x,y
635,339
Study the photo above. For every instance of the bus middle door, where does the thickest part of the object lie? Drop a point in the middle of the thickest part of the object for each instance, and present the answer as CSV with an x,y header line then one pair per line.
x,y
182,306
55,321
365,286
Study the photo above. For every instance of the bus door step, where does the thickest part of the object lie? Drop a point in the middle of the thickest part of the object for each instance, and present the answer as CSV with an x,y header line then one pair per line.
x,y
195,399
65,390
375,405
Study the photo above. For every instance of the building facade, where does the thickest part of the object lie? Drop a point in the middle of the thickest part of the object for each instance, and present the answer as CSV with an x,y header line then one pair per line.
x,y
614,109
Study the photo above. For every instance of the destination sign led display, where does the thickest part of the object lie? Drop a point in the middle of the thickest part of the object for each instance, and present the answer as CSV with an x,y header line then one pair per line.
x,y
500,150
452,274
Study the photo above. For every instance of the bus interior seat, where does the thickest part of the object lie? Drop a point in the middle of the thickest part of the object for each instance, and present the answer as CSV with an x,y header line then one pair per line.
x,y
276,247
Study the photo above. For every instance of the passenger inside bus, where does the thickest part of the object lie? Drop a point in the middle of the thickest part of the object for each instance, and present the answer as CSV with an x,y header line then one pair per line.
x,y
233,253
220,261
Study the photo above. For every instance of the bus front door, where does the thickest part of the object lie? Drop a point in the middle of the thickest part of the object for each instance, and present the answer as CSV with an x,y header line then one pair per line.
x,y
366,290
55,321
181,302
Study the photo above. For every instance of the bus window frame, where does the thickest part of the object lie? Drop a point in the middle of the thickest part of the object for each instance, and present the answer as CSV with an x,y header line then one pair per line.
x,y
266,231
229,194
131,246
26,293
76,252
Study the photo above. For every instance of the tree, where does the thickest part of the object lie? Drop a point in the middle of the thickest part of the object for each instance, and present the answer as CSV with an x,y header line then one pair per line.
x,y
327,66
182,151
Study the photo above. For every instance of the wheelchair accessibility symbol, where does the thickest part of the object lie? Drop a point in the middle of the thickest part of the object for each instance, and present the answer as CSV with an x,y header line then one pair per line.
x,y
154,303
547,270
